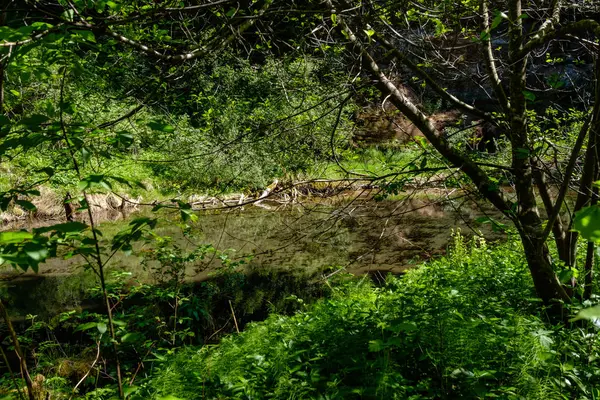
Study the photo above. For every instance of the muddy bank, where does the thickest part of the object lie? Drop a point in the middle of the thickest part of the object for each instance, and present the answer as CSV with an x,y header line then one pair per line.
x,y
53,208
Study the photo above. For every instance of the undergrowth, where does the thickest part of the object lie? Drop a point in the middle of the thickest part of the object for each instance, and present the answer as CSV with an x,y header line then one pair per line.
x,y
463,326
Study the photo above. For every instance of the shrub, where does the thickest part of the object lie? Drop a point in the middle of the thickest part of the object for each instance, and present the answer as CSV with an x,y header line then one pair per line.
x,y
457,327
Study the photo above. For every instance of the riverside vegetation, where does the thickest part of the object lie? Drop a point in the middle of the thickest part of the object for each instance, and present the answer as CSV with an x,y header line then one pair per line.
x,y
190,109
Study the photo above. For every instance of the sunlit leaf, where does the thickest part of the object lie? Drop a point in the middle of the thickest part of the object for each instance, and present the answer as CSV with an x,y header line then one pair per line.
x,y
588,313
15,237
101,327
587,223
159,126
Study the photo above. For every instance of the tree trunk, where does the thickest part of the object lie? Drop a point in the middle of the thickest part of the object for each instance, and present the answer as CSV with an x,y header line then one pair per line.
x,y
547,285
18,351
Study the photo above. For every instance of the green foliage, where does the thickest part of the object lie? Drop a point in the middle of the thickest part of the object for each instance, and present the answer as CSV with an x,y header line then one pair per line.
x,y
458,327
587,223
274,120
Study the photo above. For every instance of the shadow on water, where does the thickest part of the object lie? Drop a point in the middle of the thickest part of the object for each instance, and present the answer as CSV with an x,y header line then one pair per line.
x,y
290,247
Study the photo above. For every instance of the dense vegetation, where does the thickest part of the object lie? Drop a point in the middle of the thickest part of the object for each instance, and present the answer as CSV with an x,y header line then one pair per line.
x,y
463,326
190,108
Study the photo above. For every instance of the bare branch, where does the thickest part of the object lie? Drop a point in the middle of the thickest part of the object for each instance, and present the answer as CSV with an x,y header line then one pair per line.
x,y
489,59
467,108
421,121
567,177
583,26
192,53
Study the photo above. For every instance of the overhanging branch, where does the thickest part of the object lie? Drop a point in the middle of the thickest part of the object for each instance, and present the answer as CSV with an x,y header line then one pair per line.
x,y
421,121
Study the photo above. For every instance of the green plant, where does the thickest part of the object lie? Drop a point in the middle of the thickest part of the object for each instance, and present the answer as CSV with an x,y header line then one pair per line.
x,y
463,326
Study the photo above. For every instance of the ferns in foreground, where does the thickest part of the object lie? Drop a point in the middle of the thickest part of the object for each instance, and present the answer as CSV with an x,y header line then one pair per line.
x,y
458,327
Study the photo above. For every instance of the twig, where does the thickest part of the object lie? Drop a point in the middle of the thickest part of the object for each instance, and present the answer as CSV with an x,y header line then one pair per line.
x,y
237,328
89,370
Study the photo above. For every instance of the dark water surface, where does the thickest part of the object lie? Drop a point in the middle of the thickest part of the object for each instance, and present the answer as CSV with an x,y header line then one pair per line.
x,y
360,235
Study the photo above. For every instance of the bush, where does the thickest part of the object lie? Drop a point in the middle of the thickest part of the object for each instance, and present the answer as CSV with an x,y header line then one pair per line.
x,y
458,327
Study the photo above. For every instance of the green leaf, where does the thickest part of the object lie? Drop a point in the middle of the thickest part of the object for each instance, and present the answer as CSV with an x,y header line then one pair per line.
x,y
376,345
334,18
86,35
34,120
66,227
93,181
26,205
132,337
529,96
588,313
404,327
101,327
85,155
129,390
48,171
587,223
86,326
188,215
159,126
14,237
497,21
36,251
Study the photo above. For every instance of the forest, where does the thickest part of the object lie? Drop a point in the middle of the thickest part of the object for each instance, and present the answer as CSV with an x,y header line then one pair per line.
x,y
299,199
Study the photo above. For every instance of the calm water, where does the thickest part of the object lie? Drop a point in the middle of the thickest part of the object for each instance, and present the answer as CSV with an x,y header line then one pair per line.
x,y
359,235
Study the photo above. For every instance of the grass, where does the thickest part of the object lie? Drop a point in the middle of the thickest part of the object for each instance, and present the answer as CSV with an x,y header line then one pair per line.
x,y
371,161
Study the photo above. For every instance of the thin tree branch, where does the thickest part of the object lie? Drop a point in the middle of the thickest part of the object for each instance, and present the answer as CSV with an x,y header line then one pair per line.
x,y
583,26
467,108
567,177
421,121
490,61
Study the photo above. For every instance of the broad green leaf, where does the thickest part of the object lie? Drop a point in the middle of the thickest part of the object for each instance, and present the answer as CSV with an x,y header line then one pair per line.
x,y
87,326
101,327
159,126
14,237
529,96
188,215
403,327
85,155
87,35
48,171
587,223
587,313
26,205
129,390
34,120
66,227
93,181
132,337
376,345
36,251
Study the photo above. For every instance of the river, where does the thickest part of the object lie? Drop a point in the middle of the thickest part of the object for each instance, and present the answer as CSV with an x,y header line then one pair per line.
x,y
349,233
